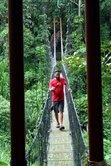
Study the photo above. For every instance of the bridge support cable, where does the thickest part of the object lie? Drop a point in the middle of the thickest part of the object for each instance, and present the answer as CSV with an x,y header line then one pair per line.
x,y
68,41
61,37
49,52
16,83
54,22
79,148
94,82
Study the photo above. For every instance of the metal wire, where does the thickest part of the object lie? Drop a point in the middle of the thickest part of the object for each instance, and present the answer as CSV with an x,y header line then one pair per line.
x,y
37,153
79,148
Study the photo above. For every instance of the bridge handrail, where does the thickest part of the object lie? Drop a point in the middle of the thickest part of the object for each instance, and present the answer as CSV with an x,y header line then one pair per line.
x,y
43,123
79,147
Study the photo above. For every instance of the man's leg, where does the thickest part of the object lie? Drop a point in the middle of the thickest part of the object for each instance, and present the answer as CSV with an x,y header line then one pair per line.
x,y
55,105
56,117
61,118
61,110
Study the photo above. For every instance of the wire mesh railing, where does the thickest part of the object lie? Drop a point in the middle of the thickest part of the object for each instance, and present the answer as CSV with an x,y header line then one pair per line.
x,y
79,149
37,153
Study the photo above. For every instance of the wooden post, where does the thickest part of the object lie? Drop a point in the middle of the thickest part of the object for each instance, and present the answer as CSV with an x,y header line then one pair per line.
x,y
16,83
94,81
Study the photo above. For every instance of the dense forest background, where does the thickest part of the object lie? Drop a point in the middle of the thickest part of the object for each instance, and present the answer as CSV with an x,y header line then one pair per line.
x,y
38,32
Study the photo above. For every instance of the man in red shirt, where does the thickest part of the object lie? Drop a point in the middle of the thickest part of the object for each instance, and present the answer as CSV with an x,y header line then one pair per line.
x,y
56,86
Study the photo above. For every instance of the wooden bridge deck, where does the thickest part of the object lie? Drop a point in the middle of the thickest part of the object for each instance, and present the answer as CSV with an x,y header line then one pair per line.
x,y
60,143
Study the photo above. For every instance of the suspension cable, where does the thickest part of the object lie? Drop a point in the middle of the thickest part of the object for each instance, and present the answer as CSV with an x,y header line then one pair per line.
x,y
61,37
54,42
68,41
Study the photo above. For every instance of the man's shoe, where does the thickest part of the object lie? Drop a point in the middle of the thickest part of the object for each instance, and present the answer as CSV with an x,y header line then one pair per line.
x,y
52,108
62,128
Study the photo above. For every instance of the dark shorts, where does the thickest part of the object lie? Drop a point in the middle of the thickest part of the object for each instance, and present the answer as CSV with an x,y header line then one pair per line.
x,y
58,106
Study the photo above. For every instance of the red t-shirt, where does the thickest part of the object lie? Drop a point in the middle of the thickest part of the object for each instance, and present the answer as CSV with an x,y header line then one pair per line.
x,y
58,93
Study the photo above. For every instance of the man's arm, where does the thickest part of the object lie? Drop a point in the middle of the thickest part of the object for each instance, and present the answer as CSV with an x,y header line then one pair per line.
x,y
66,85
51,87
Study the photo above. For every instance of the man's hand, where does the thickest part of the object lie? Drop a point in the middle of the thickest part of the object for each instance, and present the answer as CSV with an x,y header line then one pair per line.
x,y
69,89
52,89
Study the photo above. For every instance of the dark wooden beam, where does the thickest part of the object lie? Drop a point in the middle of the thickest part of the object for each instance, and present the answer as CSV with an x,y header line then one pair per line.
x,y
94,81
16,83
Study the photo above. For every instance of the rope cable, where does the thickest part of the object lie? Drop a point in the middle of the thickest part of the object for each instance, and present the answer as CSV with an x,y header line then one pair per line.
x,y
68,41
54,42
61,37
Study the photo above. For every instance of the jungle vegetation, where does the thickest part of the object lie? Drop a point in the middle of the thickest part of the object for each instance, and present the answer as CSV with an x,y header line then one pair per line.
x,y
38,31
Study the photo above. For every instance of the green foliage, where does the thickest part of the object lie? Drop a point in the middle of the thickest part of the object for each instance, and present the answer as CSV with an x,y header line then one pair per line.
x,y
78,20
4,118
106,46
106,87
107,147
77,74
3,12
4,130
105,33
78,35
34,99
3,163
75,62
4,79
4,89
81,107
28,43
4,42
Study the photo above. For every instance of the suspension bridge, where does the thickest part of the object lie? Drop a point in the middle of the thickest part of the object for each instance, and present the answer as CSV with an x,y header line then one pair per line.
x,y
66,148
51,146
